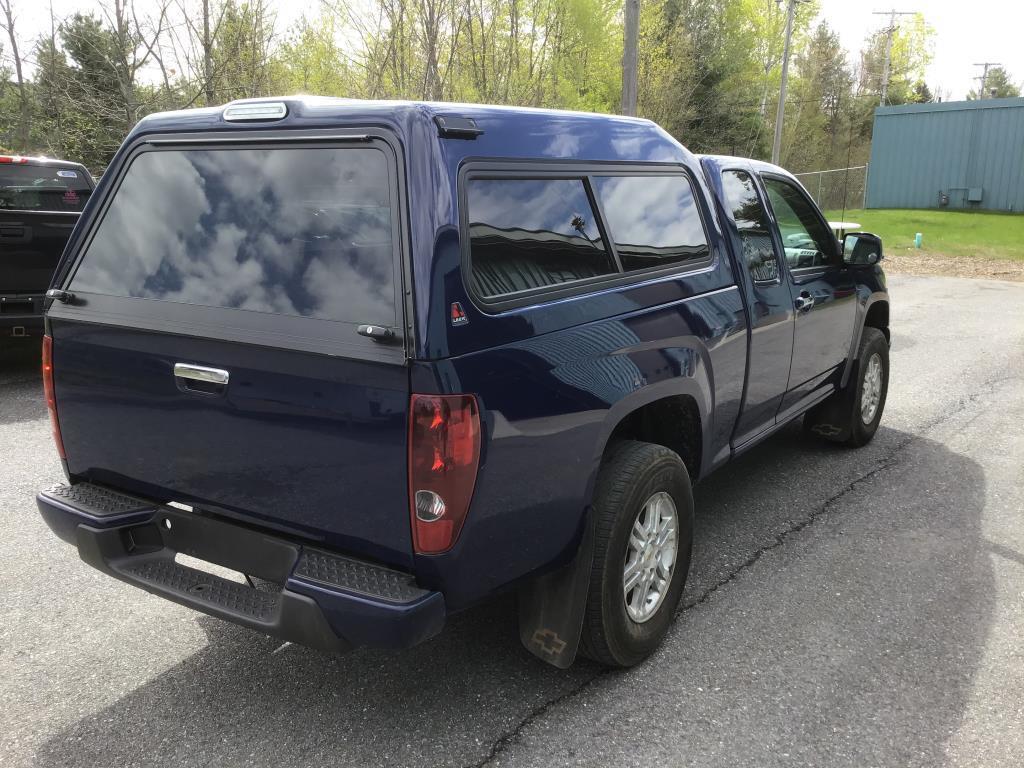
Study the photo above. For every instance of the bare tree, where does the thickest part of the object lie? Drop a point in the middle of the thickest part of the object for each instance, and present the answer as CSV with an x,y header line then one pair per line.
x,y
193,43
52,108
207,42
6,6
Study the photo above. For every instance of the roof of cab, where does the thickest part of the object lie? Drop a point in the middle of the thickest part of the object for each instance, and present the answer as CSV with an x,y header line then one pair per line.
x,y
761,166
517,131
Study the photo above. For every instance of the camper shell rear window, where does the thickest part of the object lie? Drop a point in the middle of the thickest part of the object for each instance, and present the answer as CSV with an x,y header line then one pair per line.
x,y
305,231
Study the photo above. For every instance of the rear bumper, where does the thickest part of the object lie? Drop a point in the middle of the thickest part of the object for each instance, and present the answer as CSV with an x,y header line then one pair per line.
x,y
21,315
323,600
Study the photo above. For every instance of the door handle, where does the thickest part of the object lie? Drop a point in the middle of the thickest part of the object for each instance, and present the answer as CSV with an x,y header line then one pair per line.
x,y
200,373
804,302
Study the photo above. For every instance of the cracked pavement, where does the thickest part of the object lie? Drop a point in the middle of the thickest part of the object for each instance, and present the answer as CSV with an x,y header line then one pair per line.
x,y
848,608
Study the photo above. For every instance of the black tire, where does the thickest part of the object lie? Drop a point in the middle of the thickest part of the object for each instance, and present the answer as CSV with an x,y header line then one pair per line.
x,y
631,474
840,418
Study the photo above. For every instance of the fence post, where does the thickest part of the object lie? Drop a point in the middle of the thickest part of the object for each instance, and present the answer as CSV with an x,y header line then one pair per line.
x,y
820,175
864,196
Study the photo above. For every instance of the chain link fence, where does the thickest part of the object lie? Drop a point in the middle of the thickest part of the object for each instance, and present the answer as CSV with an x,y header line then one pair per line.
x,y
838,188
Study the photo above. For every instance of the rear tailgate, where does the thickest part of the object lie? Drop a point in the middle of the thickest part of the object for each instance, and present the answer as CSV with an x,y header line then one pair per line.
x,y
210,355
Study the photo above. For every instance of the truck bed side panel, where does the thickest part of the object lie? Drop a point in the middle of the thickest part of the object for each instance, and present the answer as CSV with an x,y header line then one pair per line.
x,y
549,405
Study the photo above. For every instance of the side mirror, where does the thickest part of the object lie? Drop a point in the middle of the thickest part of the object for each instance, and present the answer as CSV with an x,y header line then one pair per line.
x,y
862,249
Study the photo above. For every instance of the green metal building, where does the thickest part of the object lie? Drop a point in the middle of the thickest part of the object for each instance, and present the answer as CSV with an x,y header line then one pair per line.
x,y
955,154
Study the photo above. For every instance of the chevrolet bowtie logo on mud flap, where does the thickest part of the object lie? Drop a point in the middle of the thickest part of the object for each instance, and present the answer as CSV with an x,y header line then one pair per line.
x,y
548,642
826,430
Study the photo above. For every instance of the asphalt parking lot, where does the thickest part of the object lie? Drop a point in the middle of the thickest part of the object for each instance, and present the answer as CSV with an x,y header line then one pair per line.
x,y
851,608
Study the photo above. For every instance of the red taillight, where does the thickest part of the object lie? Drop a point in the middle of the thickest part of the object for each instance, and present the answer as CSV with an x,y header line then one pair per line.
x,y
13,159
51,403
444,452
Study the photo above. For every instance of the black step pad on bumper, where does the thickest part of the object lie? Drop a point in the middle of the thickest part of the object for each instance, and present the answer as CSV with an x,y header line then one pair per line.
x,y
232,596
94,501
357,576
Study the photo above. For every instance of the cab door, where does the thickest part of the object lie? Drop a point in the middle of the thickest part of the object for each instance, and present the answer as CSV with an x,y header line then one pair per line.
x,y
822,291
769,301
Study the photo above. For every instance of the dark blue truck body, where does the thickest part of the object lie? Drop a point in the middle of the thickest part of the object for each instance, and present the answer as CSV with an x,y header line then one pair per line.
x,y
307,447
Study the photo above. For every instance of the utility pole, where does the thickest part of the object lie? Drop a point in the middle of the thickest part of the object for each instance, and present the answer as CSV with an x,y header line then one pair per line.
x,y
985,65
781,111
631,44
889,32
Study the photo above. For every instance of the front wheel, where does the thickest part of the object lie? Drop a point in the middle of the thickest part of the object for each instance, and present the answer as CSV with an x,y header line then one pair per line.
x,y
852,415
644,533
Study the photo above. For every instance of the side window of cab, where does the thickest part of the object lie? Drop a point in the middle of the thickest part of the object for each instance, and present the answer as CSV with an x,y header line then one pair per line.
x,y
807,241
751,219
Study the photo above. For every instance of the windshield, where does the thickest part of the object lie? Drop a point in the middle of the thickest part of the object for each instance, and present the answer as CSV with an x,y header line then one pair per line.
x,y
42,188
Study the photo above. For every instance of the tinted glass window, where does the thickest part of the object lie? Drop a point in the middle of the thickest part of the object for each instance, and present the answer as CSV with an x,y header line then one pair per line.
x,y
653,220
807,241
293,231
531,233
38,188
752,222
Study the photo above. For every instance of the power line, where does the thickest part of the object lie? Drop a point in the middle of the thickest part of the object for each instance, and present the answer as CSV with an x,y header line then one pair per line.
x,y
889,31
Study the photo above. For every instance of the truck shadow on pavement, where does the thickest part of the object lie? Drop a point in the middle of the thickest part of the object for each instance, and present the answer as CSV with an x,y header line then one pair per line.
x,y
867,623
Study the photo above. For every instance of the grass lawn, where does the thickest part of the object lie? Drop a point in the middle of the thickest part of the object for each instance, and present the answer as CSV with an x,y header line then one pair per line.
x,y
950,233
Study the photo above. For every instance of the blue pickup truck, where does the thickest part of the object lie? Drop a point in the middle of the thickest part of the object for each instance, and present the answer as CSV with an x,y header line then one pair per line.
x,y
383,361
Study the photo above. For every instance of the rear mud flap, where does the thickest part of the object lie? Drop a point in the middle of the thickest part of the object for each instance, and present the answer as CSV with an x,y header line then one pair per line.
x,y
551,607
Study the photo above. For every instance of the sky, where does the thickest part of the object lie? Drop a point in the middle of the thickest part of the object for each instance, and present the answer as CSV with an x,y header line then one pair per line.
x,y
966,31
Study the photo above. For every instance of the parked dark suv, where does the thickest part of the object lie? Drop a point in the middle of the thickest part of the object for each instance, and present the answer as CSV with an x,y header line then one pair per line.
x,y
40,202
386,360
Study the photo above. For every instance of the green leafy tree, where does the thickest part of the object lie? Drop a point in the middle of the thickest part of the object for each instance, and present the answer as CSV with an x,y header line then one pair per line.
x,y
998,85
242,56
911,54
817,119
310,60
709,70
922,93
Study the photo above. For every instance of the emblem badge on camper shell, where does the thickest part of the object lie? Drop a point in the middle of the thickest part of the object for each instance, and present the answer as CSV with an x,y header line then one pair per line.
x,y
458,314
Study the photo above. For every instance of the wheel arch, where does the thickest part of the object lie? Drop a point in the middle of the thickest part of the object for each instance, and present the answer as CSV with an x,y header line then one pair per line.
x,y
648,414
872,312
877,316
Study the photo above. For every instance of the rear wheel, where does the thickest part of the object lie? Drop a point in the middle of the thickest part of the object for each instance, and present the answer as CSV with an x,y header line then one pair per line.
x,y
642,543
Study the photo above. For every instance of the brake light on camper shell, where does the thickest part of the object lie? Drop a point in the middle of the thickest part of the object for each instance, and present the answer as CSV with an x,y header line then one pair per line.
x,y
51,402
444,454
13,159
